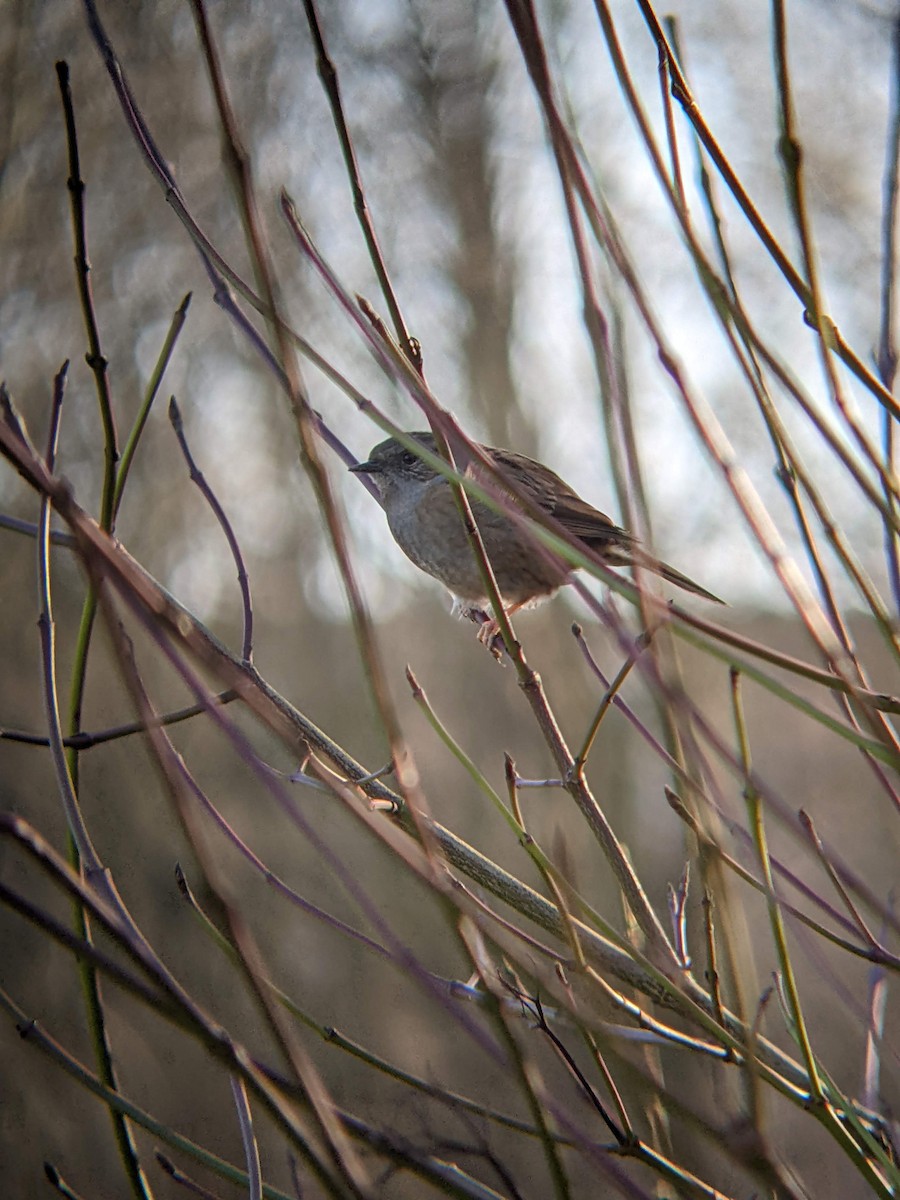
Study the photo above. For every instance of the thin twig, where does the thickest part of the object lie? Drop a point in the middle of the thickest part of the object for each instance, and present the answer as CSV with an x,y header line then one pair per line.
x,y
808,826
757,827
95,358
329,77
209,495
153,386
84,740
248,1138
887,348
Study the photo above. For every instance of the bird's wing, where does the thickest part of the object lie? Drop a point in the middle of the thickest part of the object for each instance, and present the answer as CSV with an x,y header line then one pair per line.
x,y
559,500
616,546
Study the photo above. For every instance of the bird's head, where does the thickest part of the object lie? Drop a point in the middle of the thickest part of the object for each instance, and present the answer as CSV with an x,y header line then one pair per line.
x,y
393,465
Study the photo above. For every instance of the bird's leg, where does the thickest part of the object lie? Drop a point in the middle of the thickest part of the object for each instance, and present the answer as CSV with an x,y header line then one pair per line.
x,y
469,612
488,631
488,628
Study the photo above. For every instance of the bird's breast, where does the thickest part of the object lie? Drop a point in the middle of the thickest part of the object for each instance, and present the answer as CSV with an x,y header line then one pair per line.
x,y
427,525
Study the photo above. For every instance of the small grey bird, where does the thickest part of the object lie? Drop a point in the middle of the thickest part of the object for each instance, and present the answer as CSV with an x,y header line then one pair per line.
x,y
423,517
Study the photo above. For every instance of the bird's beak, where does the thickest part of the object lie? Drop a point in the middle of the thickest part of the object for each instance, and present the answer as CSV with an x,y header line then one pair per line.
x,y
367,468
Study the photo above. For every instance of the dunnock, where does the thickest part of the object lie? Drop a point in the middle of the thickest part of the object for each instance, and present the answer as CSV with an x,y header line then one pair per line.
x,y
423,517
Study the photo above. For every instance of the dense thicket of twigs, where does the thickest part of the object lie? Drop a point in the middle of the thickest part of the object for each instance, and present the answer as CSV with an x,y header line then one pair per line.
x,y
616,919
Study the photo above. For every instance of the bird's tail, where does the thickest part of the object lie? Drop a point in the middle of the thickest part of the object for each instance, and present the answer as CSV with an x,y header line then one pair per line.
x,y
672,576
633,556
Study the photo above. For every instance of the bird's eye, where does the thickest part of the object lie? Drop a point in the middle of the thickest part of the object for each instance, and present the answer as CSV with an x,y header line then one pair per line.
x,y
408,458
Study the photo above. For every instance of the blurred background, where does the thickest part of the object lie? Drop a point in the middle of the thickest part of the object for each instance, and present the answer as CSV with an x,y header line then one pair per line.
x,y
466,201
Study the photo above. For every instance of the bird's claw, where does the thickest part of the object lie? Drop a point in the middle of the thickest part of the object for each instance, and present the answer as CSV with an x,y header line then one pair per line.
x,y
489,636
488,631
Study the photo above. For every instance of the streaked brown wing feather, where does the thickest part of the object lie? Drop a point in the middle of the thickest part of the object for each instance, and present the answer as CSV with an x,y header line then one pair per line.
x,y
559,500
615,545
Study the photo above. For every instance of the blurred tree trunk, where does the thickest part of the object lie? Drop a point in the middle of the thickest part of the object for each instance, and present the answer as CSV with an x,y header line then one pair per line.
x,y
457,89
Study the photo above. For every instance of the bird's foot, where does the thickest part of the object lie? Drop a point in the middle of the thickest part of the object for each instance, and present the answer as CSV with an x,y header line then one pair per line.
x,y
488,630
489,635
